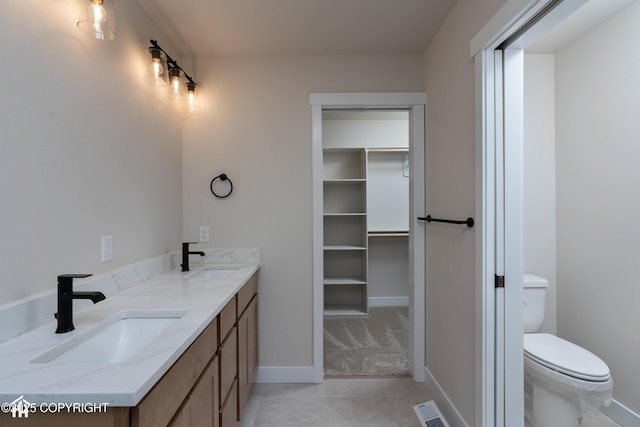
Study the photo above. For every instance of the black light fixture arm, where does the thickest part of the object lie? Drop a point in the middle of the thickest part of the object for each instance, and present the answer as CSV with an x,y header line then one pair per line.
x,y
172,62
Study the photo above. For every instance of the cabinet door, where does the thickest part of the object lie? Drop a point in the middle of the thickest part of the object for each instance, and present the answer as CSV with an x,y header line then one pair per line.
x,y
182,418
228,354
252,358
229,411
247,352
204,400
243,360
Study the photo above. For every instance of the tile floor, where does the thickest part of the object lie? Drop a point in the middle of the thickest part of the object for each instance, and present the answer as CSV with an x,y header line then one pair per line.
x,y
370,402
593,417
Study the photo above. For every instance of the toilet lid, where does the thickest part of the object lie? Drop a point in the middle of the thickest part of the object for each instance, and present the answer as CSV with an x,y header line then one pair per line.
x,y
565,357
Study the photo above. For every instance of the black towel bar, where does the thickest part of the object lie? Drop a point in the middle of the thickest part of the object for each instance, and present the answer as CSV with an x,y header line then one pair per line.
x,y
468,221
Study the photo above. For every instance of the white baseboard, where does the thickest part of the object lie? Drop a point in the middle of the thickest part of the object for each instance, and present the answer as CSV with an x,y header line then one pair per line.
x,y
284,374
388,301
621,414
447,407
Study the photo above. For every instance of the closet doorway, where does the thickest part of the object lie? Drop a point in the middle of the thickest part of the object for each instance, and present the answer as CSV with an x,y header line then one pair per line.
x,y
368,287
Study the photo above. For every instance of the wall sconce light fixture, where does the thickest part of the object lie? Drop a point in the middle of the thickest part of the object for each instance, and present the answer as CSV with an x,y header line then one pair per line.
x,y
156,73
97,19
193,102
165,71
176,89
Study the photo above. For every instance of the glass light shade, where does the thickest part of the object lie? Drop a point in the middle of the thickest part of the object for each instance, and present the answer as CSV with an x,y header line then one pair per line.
x,y
193,102
157,70
177,86
97,19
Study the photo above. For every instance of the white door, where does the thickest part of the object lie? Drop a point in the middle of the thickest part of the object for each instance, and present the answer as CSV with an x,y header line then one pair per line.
x,y
513,370
500,363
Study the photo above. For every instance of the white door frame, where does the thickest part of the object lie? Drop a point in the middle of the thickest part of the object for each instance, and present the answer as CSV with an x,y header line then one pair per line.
x,y
499,138
414,103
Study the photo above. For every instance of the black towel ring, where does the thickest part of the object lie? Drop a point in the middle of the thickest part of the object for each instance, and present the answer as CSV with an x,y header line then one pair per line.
x,y
222,177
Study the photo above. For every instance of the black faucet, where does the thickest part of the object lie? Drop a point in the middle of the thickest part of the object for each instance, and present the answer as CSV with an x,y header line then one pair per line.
x,y
186,253
65,300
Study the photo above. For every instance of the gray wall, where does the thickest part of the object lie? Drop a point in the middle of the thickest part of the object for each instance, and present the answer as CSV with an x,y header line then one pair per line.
x,y
258,131
450,166
540,177
598,148
88,149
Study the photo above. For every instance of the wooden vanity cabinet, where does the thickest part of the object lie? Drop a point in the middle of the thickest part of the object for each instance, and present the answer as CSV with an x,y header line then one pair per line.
x,y
247,340
207,386
221,392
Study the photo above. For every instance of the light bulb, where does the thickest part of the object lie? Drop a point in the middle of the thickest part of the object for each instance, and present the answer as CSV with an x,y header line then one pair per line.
x,y
175,90
156,67
97,20
156,71
193,104
97,12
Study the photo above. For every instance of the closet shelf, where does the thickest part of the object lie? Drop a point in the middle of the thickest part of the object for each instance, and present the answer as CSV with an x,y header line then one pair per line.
x,y
338,281
344,248
388,234
388,150
344,181
345,310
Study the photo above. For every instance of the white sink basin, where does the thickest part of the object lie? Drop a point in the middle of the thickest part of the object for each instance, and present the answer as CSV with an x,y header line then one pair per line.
x,y
214,271
114,340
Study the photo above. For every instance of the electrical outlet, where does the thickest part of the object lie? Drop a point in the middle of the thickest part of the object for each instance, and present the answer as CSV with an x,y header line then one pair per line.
x,y
107,248
204,233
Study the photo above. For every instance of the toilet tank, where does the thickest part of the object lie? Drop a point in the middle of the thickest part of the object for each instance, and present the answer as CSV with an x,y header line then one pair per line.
x,y
533,299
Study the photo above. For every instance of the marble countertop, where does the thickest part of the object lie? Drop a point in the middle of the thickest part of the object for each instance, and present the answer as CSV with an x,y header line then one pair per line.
x,y
125,383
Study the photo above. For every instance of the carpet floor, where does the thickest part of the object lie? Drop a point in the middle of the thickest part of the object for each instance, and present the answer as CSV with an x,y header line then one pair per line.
x,y
375,345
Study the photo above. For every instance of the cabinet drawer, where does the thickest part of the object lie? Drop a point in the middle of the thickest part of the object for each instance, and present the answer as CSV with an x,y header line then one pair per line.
x,y
161,403
226,319
247,292
228,411
227,355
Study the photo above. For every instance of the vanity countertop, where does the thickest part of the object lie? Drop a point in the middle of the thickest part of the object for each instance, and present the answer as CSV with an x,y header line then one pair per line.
x,y
125,383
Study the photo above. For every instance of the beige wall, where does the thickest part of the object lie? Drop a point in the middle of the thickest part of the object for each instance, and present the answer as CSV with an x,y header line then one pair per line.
x,y
597,128
258,132
450,165
87,148
540,177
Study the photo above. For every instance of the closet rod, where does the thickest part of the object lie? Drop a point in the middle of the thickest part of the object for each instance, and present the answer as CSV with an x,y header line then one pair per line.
x,y
468,221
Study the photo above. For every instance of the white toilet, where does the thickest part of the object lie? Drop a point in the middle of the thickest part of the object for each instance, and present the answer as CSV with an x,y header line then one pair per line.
x,y
560,377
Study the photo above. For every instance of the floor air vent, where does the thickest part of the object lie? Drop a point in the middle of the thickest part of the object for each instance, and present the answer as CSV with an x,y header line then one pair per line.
x,y
429,415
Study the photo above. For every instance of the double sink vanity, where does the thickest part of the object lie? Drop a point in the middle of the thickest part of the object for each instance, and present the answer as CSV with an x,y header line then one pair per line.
x,y
179,349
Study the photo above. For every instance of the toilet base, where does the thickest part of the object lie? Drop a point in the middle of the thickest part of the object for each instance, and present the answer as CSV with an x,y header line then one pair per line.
x,y
554,399
552,409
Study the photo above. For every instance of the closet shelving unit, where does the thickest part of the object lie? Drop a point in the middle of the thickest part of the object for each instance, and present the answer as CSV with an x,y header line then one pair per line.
x,y
345,231
365,196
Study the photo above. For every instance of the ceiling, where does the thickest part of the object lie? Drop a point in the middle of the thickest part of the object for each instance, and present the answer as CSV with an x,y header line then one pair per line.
x,y
248,27
593,13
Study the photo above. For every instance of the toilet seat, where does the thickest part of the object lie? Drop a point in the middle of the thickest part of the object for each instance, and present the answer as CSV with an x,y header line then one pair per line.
x,y
565,357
